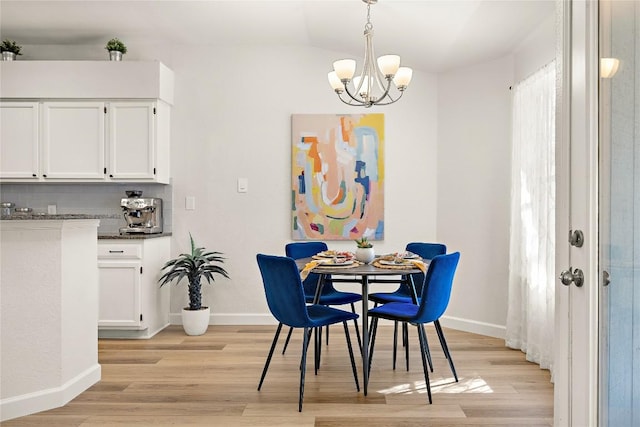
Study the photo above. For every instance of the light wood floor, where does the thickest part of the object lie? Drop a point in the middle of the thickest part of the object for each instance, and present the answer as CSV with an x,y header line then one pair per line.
x,y
211,380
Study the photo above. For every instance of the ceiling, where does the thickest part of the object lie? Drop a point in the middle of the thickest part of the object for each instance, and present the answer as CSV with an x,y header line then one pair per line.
x,y
430,35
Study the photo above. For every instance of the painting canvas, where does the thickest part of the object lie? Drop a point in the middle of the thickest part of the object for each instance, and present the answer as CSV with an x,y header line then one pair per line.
x,y
337,176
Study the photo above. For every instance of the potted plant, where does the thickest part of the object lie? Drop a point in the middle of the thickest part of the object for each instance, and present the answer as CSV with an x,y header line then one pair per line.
x,y
116,49
9,49
364,251
194,266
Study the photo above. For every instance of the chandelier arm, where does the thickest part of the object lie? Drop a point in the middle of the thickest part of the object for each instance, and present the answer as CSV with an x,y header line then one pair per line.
x,y
392,100
360,101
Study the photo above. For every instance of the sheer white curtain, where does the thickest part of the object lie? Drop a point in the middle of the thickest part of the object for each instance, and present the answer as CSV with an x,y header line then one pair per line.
x,y
530,315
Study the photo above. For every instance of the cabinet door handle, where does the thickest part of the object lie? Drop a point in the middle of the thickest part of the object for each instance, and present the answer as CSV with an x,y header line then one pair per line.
x,y
34,175
116,252
44,175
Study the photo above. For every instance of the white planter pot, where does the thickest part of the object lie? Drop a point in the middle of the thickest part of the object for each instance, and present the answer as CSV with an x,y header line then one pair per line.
x,y
195,322
365,254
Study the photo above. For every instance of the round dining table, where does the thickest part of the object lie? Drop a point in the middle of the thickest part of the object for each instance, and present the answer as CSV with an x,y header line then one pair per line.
x,y
363,274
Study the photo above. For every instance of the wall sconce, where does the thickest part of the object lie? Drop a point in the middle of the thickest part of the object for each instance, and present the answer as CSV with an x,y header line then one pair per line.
x,y
608,67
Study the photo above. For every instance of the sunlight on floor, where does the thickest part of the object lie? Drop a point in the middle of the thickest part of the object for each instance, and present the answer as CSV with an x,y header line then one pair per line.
x,y
445,385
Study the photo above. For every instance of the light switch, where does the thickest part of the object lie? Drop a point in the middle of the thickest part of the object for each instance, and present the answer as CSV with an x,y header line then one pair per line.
x,y
190,203
243,185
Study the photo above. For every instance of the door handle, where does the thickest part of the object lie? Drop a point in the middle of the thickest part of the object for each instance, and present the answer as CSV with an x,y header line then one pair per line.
x,y
567,277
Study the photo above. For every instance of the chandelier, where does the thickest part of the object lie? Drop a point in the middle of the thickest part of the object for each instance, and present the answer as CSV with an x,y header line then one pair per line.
x,y
373,85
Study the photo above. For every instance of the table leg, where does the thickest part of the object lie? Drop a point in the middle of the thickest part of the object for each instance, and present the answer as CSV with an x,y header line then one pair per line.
x,y
365,332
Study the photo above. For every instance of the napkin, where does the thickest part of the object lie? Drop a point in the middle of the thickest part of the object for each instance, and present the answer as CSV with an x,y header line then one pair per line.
x,y
308,267
419,264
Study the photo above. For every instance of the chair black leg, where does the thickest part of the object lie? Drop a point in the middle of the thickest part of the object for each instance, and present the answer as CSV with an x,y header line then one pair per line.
x,y
327,334
286,343
303,364
355,323
405,340
353,361
426,347
273,346
445,348
374,330
423,353
395,343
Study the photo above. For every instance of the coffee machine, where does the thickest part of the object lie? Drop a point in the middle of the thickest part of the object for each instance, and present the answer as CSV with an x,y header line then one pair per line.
x,y
143,214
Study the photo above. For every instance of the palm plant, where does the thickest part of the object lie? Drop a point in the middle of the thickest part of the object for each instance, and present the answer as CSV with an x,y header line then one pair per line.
x,y
10,46
194,267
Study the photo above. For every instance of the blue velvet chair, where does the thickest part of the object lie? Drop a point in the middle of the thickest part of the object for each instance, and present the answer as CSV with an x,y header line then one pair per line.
x,y
330,295
403,294
433,303
285,297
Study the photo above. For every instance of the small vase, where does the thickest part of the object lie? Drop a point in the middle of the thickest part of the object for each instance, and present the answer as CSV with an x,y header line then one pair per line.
x,y
8,56
365,254
115,55
195,322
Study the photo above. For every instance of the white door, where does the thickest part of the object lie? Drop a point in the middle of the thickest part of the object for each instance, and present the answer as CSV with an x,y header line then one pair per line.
x,y
19,140
73,140
576,343
131,140
119,295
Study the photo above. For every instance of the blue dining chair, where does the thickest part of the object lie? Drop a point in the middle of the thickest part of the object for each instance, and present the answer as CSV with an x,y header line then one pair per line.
x,y
434,299
403,294
286,300
330,295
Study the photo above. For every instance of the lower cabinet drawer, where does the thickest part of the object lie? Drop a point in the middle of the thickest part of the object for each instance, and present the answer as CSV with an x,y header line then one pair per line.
x,y
119,251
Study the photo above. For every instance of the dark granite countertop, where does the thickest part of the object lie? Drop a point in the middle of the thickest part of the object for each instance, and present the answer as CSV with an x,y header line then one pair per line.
x,y
137,236
50,217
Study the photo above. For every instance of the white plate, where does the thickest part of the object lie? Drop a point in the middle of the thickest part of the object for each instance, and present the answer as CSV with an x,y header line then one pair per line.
x,y
330,263
385,262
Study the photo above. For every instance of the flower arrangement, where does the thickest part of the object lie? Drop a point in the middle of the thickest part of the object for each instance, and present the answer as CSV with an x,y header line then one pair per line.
x,y
10,46
363,242
116,44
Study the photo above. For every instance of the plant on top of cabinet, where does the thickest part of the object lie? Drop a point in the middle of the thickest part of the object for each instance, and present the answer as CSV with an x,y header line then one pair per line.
x,y
116,49
194,266
9,49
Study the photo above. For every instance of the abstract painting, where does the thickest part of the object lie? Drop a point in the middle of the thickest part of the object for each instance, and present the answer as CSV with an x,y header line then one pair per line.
x,y
337,176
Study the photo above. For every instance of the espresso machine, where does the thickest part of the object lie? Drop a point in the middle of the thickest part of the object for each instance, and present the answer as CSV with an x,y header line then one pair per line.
x,y
143,214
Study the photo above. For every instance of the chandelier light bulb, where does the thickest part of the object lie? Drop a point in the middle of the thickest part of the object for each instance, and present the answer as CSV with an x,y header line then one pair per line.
x,y
345,69
335,82
389,64
403,78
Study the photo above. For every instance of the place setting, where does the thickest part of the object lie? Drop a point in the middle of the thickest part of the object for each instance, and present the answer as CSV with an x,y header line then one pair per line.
x,y
400,261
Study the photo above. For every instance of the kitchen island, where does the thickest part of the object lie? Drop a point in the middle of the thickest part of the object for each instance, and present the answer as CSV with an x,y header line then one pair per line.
x,y
48,311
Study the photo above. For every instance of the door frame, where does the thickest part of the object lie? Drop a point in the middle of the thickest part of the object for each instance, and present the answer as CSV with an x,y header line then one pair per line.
x,y
576,342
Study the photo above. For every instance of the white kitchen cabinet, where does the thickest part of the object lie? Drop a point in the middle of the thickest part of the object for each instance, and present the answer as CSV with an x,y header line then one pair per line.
x,y
19,135
138,141
120,294
85,121
85,141
73,138
131,303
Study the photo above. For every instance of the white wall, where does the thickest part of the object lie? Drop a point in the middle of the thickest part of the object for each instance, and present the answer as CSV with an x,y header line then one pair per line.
x,y
474,175
474,167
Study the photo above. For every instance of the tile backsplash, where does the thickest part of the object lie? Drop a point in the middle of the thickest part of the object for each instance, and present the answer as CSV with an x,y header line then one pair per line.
x,y
86,198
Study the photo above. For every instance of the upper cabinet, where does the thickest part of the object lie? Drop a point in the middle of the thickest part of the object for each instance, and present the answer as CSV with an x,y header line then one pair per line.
x,y
95,123
19,135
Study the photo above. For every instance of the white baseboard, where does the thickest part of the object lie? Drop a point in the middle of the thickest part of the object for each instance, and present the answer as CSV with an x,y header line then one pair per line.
x,y
466,325
473,326
30,403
